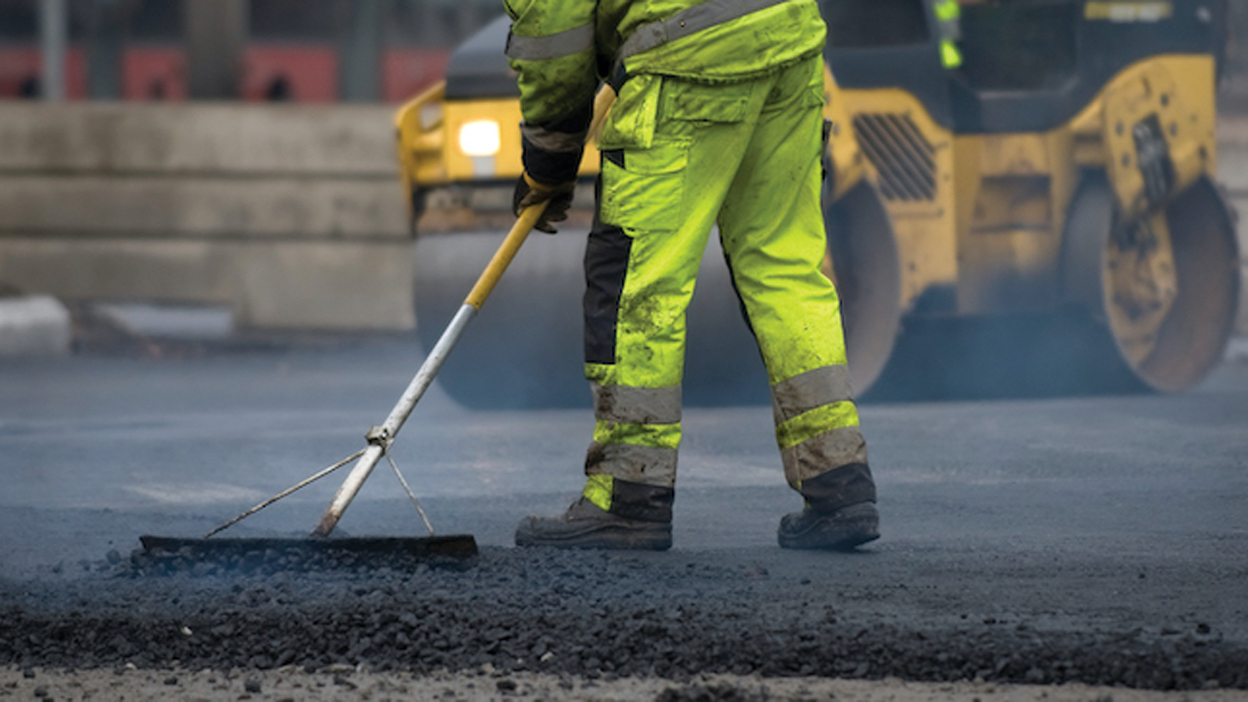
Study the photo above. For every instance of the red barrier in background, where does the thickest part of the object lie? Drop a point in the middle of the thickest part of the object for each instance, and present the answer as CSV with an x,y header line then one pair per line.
x,y
153,73
408,72
306,73
295,73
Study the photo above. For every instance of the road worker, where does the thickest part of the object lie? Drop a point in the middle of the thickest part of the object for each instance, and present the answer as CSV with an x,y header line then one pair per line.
x,y
717,121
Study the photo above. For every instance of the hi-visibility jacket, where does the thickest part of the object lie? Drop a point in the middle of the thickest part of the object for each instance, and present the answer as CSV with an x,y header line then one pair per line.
x,y
564,48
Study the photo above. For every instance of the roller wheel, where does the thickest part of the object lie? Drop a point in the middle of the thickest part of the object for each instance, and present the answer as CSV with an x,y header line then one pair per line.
x,y
864,263
522,349
1163,287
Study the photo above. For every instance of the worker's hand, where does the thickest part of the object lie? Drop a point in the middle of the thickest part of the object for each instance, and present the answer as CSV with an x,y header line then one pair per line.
x,y
530,192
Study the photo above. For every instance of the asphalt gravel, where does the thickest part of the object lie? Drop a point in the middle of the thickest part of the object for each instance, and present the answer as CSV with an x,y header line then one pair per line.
x,y
588,614
1093,540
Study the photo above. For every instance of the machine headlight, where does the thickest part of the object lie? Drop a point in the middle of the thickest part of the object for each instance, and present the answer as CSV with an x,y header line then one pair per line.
x,y
480,138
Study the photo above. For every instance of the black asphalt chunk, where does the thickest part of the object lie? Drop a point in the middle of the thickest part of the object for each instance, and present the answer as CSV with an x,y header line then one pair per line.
x,y
168,555
583,613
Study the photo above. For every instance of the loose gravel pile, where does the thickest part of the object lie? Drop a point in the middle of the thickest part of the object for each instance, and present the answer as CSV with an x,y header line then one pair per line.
x,y
593,615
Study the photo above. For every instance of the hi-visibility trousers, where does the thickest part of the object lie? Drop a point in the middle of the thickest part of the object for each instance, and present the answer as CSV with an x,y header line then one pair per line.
x,y
679,157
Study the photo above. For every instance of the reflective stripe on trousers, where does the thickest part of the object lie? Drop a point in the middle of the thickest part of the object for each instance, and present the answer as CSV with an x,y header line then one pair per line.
x,y
680,157
817,423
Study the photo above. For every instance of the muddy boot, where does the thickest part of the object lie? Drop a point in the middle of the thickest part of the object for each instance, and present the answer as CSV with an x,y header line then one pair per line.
x,y
643,522
841,530
840,512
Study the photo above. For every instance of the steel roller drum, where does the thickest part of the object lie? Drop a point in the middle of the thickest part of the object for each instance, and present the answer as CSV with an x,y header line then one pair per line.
x,y
1164,288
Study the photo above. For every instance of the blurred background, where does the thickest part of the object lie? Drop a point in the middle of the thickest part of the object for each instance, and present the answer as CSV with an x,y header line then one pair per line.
x,y
315,51
230,158
236,158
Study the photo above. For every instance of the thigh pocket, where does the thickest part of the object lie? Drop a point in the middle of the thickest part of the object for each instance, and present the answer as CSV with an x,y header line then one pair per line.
x,y
644,188
719,103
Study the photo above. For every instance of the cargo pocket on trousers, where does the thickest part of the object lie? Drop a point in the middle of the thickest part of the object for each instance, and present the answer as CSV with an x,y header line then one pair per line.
x,y
631,121
721,103
644,189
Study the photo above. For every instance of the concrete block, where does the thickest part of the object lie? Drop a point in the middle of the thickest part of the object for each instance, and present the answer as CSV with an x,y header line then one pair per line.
x,y
34,326
284,283
321,285
284,215
185,139
120,269
164,207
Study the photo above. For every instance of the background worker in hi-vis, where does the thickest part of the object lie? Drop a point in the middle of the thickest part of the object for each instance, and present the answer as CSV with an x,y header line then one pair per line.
x,y
718,120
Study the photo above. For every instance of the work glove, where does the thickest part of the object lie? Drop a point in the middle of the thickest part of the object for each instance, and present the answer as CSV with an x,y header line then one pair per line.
x,y
530,192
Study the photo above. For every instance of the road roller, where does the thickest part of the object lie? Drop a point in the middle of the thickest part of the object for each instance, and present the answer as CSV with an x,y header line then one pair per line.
x,y
1038,215
1052,192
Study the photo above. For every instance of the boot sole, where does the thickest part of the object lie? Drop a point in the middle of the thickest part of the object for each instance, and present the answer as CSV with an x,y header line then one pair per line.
x,y
605,537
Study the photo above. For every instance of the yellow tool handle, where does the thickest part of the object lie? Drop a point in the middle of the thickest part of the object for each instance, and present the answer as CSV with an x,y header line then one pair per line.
x,y
529,217
502,257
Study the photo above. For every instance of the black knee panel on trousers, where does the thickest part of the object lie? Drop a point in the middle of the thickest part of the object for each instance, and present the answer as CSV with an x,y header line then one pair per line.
x,y
606,265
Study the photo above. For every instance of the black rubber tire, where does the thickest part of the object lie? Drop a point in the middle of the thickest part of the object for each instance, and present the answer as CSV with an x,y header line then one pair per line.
x,y
868,280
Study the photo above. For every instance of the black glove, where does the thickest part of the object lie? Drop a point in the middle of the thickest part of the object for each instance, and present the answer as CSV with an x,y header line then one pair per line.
x,y
530,192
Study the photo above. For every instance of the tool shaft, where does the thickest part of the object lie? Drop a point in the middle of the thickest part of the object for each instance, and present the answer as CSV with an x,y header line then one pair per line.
x,y
385,434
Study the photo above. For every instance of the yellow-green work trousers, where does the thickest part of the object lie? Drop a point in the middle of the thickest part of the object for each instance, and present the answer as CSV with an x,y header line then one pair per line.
x,y
679,157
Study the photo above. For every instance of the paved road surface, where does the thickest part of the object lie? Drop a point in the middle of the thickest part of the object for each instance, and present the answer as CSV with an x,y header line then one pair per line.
x,y
1084,517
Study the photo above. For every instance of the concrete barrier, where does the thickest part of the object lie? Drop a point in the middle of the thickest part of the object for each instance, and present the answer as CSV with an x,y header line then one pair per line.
x,y
291,215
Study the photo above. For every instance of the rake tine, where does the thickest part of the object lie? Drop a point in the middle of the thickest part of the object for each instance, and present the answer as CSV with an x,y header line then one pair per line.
x,y
287,491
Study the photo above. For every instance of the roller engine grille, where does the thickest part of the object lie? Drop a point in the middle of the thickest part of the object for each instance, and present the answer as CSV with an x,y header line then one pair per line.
x,y
900,154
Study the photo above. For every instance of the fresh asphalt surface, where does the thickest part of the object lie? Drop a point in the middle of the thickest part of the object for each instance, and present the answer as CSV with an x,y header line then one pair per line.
x,y
1098,539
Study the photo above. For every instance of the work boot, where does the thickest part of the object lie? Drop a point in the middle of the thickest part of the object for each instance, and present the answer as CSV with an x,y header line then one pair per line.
x,y
840,511
640,517
840,530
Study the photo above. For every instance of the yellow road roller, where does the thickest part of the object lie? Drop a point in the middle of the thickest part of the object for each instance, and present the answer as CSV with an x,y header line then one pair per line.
x,y
1052,192
1037,215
